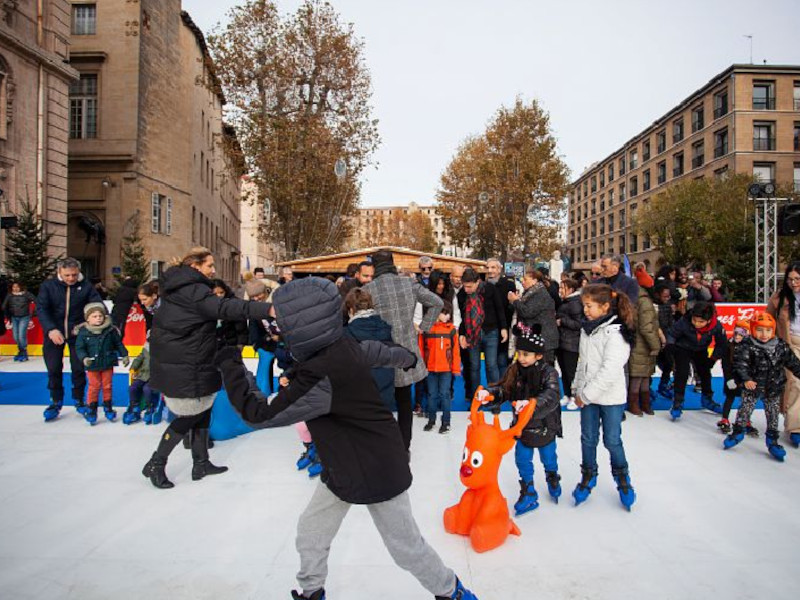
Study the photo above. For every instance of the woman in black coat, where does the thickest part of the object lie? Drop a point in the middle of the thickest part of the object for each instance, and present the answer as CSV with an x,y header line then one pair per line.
x,y
569,318
183,343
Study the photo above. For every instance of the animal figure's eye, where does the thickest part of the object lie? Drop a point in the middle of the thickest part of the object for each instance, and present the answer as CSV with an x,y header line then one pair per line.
x,y
477,459
466,454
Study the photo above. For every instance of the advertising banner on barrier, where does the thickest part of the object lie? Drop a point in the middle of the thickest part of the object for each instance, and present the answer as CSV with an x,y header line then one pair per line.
x,y
729,313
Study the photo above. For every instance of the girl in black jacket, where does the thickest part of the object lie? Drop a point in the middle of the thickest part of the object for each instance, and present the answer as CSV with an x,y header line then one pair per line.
x,y
183,343
569,318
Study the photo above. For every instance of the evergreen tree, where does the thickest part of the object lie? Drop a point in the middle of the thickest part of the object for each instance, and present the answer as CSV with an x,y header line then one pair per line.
x,y
134,261
27,259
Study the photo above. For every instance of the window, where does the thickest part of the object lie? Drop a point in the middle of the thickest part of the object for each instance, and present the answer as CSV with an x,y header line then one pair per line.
x,y
634,242
622,244
721,173
764,95
168,227
194,228
594,206
622,166
622,218
796,95
594,184
797,177
677,164
764,172
661,141
602,178
634,162
698,154
156,269
585,189
720,104
634,187
611,172
83,108
602,225
610,223
720,143
602,203
763,136
677,131
662,172
797,137
646,180
610,197
698,119
155,213
645,150
622,192
84,19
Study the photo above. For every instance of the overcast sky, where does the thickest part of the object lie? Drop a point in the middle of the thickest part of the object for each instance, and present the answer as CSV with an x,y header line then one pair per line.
x,y
604,70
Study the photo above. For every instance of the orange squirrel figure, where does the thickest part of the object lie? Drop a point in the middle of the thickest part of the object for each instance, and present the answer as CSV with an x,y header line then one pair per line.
x,y
482,513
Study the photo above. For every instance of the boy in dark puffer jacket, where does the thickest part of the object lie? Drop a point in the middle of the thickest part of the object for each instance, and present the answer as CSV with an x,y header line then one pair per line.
x,y
99,346
362,452
531,377
760,362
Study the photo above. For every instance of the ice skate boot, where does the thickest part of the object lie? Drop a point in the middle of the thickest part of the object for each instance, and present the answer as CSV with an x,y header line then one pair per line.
x,y
90,414
307,457
665,389
318,595
707,401
109,411
553,484
148,416
734,438
626,493
131,416
775,449
24,356
461,593
158,412
677,409
794,438
429,426
80,406
724,426
202,466
528,498
584,488
750,430
315,468
51,412
18,357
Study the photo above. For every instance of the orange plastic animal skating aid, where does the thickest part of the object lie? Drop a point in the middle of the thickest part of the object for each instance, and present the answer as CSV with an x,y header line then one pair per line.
x,y
482,513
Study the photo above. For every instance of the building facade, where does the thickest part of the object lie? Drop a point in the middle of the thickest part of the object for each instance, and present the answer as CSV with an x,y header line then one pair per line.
x,y
372,224
147,139
744,120
257,250
34,84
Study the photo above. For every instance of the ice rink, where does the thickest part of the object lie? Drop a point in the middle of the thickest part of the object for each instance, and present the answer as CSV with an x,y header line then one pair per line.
x,y
78,520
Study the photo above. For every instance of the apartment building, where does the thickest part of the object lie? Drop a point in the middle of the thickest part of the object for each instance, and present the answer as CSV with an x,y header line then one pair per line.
x,y
744,120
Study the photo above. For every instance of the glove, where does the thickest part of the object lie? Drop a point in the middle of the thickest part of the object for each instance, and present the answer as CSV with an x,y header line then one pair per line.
x,y
519,405
731,384
228,353
413,365
126,360
483,396
87,362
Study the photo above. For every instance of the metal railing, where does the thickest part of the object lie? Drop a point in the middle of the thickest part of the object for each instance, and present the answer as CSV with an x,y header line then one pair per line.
x,y
720,111
677,171
721,150
763,103
761,143
697,161
662,179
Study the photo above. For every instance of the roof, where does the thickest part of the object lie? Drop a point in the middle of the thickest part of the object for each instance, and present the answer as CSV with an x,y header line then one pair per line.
x,y
403,257
216,87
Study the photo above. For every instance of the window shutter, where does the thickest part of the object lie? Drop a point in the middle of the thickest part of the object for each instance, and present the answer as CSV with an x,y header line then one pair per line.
x,y
169,216
155,212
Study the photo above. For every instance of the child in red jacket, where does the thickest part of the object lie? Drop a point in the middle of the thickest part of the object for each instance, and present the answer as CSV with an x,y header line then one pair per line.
x,y
442,357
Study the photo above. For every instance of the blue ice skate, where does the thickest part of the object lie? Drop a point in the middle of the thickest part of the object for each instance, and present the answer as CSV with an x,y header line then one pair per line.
x,y
90,414
528,498
461,593
315,468
677,410
707,401
80,406
775,449
51,412
158,412
109,412
735,438
584,488
627,495
553,484
318,595
129,417
794,438
307,457
665,389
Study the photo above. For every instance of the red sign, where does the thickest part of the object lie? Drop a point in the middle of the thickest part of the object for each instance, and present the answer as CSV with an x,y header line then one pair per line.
x,y
729,313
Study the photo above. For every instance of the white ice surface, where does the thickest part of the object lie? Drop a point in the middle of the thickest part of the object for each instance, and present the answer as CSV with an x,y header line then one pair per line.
x,y
78,520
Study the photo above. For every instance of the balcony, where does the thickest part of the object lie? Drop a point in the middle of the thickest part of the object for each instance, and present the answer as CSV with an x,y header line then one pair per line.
x,y
720,150
662,146
698,161
763,103
677,171
762,143
662,179
646,186
720,111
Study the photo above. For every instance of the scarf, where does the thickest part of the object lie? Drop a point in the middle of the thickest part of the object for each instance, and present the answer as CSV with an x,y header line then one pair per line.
x,y
590,326
709,326
474,317
363,314
528,383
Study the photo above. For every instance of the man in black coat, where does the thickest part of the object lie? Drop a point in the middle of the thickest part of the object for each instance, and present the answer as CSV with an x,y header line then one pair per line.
x,y
619,281
504,285
59,306
362,452
126,296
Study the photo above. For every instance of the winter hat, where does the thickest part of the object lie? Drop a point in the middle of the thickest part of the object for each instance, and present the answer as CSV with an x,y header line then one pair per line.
x,y
762,320
382,257
255,287
529,338
94,307
742,328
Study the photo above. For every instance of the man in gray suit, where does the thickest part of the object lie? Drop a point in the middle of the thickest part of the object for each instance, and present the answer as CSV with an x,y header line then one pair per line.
x,y
395,298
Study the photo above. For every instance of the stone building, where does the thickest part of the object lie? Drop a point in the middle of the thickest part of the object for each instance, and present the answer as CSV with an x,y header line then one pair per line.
x,y
147,139
744,120
34,83
257,251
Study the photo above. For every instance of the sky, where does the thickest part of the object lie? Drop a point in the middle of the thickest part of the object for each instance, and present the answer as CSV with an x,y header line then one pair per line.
x,y
604,70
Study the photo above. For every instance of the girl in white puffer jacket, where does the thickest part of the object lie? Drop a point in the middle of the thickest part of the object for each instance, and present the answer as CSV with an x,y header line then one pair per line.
x,y
600,386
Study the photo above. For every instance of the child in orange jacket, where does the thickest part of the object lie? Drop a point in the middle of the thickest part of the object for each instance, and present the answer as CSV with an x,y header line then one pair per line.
x,y
442,357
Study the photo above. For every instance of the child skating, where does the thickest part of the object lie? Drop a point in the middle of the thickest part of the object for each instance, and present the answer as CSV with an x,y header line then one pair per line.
x,y
442,357
741,331
363,455
761,362
140,389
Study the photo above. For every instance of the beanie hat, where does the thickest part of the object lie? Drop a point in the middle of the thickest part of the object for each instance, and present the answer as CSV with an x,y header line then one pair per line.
x,y
255,287
382,257
742,328
762,320
94,307
529,338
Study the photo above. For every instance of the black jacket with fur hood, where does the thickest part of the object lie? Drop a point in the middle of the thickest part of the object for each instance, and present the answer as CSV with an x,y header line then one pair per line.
x,y
766,364
363,456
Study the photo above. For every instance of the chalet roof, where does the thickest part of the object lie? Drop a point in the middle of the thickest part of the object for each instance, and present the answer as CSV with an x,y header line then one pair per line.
x,y
403,257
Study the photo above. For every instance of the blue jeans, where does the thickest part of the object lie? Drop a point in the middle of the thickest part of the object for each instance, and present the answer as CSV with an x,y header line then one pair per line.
x,y
488,344
19,329
439,396
592,416
523,456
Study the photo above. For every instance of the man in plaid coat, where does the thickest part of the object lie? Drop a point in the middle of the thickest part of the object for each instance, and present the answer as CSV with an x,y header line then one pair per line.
x,y
395,298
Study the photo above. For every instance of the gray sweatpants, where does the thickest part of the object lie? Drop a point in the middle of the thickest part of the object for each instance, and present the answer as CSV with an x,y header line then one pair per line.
x,y
322,518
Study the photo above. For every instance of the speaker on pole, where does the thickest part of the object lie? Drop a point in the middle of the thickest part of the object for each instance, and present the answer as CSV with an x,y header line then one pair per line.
x,y
789,220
